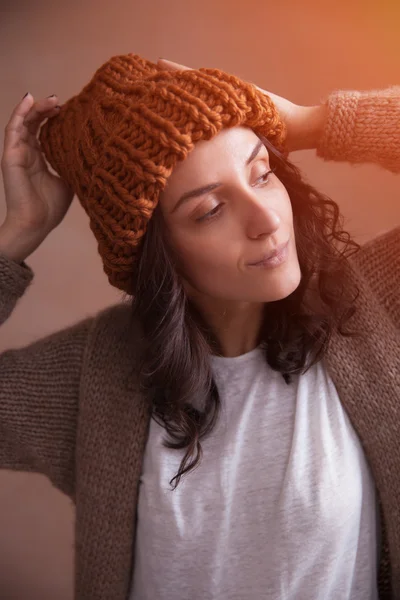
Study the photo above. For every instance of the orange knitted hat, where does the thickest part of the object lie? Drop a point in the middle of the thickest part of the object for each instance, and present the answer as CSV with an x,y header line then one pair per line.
x,y
118,140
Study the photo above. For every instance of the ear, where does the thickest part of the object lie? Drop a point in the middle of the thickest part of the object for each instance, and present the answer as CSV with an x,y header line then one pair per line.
x,y
168,65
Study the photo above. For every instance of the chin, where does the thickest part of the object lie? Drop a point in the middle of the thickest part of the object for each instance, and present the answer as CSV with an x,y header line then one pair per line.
x,y
281,288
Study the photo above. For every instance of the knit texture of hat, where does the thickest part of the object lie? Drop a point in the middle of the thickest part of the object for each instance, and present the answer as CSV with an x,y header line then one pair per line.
x,y
118,140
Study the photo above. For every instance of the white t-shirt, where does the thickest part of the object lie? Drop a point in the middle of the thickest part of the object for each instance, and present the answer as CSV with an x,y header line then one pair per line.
x,y
282,506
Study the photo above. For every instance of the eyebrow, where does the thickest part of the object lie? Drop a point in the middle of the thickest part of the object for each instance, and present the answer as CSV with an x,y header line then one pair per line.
x,y
212,186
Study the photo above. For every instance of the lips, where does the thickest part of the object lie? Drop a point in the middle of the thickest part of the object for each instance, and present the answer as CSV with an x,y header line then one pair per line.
x,y
270,255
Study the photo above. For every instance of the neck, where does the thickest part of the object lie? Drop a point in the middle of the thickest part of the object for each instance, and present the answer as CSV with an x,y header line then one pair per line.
x,y
235,325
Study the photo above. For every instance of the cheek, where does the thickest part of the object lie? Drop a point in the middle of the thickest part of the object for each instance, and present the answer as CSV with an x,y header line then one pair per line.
x,y
204,253
205,261
284,204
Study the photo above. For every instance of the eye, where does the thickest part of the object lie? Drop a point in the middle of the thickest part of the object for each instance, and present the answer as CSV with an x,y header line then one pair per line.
x,y
265,176
216,211
209,215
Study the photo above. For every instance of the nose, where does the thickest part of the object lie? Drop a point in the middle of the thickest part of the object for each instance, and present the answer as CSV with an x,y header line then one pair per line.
x,y
260,216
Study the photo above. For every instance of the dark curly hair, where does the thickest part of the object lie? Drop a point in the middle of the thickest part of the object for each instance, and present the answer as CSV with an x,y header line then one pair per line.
x,y
175,368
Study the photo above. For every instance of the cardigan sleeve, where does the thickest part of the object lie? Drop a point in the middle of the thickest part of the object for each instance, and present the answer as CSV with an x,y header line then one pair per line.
x,y
39,391
363,126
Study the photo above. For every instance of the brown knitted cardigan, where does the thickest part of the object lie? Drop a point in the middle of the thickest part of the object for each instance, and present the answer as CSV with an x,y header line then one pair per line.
x,y
70,405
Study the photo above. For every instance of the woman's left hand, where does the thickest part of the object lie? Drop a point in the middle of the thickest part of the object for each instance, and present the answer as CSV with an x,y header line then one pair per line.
x,y
304,123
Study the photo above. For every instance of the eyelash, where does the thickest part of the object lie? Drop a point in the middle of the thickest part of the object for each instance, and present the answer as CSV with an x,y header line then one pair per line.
x,y
212,215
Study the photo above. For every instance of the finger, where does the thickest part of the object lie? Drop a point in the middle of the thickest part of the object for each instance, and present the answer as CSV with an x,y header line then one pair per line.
x,y
260,89
273,97
39,111
22,107
25,113
265,92
168,65
26,118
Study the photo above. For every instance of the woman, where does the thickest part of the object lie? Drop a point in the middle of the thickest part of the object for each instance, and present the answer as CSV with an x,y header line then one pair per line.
x,y
270,466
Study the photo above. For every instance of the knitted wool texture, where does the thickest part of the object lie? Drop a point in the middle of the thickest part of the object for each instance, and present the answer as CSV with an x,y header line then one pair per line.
x,y
118,140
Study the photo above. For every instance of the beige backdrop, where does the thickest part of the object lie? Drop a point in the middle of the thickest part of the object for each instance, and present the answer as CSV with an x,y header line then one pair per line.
x,y
299,49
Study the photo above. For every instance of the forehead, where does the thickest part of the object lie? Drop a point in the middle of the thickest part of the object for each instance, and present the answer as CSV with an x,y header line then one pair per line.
x,y
227,149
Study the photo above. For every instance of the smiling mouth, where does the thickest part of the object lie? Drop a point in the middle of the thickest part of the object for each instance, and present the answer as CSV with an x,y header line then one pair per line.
x,y
274,257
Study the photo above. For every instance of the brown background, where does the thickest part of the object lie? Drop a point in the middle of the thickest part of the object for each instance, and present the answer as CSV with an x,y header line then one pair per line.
x,y
298,49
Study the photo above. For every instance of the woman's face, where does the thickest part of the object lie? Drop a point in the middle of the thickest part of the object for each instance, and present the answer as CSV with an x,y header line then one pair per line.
x,y
223,212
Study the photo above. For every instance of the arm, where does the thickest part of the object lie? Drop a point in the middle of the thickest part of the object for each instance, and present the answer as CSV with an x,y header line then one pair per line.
x,y
352,126
362,127
39,392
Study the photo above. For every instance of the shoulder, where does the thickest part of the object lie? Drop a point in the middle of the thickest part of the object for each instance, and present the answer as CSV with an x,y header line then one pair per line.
x,y
114,317
115,329
377,266
379,256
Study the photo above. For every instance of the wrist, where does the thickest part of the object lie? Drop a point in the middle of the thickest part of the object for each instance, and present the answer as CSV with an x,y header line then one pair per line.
x,y
311,125
16,245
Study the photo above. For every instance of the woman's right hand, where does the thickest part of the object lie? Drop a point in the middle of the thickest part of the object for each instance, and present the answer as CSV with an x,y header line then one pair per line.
x,y
36,199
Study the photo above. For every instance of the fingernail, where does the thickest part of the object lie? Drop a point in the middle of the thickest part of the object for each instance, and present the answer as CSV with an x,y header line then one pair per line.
x,y
58,106
25,95
52,96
